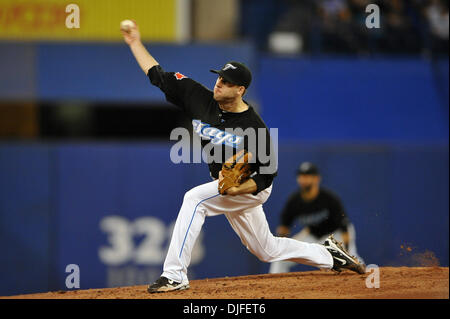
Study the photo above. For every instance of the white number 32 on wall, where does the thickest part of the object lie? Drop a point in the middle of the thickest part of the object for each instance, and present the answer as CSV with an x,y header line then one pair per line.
x,y
122,236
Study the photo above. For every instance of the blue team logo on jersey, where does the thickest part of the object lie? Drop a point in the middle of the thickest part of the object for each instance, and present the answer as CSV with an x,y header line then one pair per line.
x,y
216,136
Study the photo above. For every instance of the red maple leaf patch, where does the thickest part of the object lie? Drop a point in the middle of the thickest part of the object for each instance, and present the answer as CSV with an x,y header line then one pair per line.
x,y
180,76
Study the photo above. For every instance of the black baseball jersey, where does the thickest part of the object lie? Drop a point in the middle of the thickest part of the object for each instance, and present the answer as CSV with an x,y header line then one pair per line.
x,y
213,124
322,216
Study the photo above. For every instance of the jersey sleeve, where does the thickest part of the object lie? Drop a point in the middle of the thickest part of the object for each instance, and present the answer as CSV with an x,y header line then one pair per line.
x,y
265,169
180,90
262,181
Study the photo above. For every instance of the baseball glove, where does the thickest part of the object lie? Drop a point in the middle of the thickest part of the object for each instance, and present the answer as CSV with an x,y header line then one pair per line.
x,y
235,171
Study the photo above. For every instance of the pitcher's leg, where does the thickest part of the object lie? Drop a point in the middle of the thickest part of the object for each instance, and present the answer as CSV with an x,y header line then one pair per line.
x,y
186,230
338,235
278,267
252,228
201,201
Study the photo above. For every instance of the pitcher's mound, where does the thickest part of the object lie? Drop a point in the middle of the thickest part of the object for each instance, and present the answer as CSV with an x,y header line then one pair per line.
x,y
394,282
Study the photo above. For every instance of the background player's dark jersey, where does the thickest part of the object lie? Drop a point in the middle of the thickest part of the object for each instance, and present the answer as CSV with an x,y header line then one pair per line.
x,y
198,103
322,216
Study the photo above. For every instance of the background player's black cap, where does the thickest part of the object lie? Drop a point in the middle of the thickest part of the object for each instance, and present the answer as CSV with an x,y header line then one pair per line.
x,y
236,73
307,168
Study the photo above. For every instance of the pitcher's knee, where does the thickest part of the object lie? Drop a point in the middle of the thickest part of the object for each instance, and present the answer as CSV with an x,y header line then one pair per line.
x,y
266,253
191,195
266,258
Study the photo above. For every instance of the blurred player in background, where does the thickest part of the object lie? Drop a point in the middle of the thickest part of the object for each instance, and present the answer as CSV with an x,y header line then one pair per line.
x,y
320,212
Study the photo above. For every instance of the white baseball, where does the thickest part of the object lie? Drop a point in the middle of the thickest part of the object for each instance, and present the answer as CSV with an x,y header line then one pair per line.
x,y
126,25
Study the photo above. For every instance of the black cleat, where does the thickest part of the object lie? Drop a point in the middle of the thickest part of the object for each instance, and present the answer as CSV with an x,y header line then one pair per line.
x,y
341,258
164,284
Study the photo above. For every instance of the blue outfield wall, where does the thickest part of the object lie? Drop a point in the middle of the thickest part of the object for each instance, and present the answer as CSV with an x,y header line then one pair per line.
x,y
348,99
25,218
109,208
107,72
312,98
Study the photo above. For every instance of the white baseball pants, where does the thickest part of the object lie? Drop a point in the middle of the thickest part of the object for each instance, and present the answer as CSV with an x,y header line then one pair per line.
x,y
246,216
285,266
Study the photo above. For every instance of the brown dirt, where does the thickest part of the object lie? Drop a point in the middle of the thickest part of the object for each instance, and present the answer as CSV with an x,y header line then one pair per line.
x,y
395,283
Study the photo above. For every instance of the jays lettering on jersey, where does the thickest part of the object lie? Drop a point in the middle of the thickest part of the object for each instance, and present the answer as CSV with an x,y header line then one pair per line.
x,y
215,135
213,124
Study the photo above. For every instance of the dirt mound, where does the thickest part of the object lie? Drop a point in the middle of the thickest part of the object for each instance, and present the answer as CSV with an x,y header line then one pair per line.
x,y
394,282
412,256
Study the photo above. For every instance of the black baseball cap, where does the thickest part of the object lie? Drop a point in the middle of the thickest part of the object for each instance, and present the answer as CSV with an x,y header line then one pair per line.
x,y
307,168
236,73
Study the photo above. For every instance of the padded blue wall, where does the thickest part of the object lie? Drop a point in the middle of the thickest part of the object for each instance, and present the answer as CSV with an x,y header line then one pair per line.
x,y
109,72
355,100
384,99
55,197
26,215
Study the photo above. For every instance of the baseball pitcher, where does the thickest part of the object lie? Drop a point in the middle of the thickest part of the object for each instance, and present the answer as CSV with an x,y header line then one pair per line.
x,y
242,181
